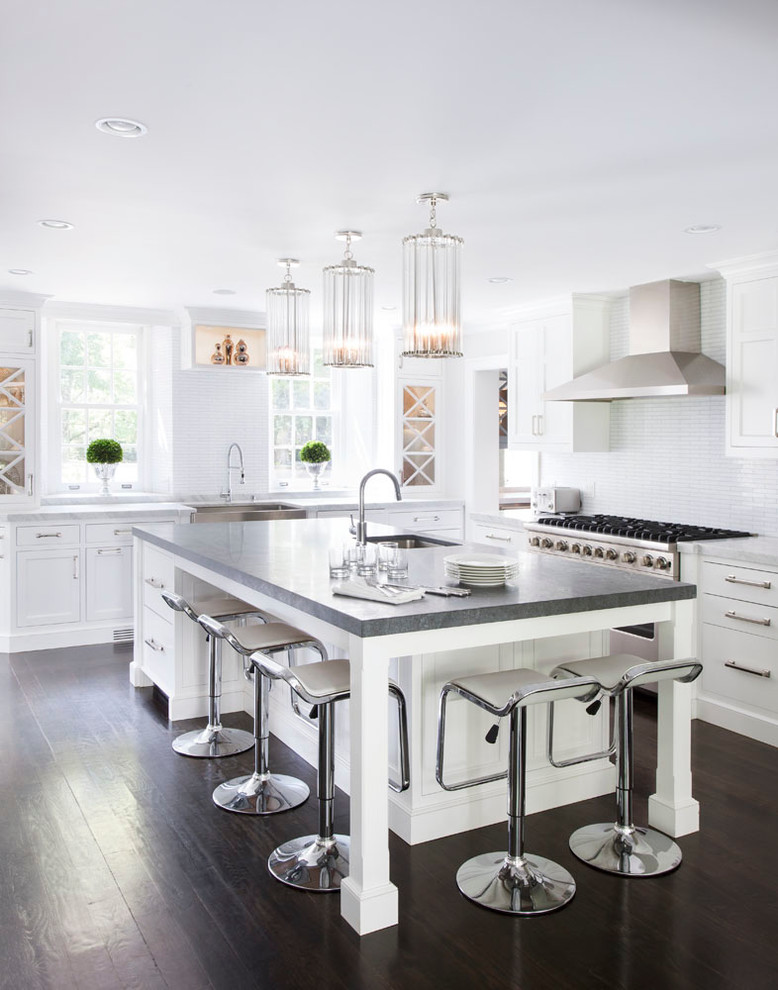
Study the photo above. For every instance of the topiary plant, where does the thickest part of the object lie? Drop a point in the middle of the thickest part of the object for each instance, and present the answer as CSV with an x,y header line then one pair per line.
x,y
104,452
315,452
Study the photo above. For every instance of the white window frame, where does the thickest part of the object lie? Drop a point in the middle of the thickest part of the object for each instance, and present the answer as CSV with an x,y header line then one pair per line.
x,y
53,445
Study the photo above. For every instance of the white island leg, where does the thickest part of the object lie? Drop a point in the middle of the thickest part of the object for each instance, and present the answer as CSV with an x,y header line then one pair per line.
x,y
368,901
672,809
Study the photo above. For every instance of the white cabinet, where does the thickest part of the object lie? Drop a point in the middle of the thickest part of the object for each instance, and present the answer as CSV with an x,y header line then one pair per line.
x,y
496,536
547,350
752,361
17,331
108,583
17,430
48,586
435,521
739,615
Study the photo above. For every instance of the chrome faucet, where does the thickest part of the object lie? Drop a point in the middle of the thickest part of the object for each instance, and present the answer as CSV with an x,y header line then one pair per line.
x,y
233,467
361,528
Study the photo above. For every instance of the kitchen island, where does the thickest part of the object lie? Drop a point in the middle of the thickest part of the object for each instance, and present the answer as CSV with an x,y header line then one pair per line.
x,y
282,567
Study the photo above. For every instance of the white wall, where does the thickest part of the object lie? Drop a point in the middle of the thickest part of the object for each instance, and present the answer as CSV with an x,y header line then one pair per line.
x,y
667,456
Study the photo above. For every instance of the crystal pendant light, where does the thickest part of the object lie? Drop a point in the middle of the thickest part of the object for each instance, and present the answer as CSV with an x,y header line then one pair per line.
x,y
432,325
348,310
288,348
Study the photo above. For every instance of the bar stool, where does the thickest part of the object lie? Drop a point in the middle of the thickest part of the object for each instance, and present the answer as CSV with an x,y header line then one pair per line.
x,y
214,741
623,847
512,882
320,862
261,792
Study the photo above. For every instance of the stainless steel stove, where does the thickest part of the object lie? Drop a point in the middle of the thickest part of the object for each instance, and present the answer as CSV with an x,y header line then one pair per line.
x,y
617,541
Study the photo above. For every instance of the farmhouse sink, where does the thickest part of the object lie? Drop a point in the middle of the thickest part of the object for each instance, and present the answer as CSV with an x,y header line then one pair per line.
x,y
245,512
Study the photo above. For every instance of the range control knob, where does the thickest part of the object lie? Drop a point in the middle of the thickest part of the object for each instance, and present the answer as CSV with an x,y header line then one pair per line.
x,y
663,563
611,554
546,543
534,541
647,560
561,545
628,557
587,550
576,548
599,552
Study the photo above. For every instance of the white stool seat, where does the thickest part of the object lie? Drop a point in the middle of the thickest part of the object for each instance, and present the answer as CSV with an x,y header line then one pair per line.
x,y
503,690
623,670
270,636
224,605
316,683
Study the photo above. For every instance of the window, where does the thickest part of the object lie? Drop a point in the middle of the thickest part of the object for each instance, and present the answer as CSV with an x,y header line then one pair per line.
x,y
97,395
302,409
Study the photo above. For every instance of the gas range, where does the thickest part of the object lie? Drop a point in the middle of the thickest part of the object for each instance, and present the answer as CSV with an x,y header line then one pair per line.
x,y
618,541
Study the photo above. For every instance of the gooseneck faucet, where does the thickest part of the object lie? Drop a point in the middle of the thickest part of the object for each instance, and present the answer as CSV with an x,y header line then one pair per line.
x,y
233,467
361,524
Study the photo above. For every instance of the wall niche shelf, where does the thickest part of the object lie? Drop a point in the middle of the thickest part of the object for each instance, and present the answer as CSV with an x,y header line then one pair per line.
x,y
237,340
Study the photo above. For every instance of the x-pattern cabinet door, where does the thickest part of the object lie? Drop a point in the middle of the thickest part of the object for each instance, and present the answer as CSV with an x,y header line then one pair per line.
x,y
16,430
419,434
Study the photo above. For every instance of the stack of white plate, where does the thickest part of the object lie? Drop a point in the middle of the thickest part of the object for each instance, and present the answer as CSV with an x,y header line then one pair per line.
x,y
485,570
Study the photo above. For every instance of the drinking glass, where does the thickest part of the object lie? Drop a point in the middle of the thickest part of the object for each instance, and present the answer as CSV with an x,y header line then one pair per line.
x,y
386,551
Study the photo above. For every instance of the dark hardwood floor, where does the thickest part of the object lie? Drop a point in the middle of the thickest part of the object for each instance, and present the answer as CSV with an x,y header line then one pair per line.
x,y
118,871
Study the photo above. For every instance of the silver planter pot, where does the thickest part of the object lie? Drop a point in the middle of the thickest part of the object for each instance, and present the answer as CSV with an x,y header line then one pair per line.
x,y
105,473
315,470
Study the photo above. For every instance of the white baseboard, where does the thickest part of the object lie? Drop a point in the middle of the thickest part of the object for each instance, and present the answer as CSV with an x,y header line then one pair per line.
x,y
763,728
50,639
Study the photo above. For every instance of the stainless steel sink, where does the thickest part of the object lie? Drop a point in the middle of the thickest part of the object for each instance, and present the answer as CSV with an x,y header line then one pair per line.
x,y
412,542
245,512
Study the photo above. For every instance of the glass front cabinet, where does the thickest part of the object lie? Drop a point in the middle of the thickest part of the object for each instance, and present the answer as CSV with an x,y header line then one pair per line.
x,y
16,430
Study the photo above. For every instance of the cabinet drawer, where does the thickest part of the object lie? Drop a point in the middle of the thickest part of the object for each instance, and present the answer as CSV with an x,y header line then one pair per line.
x,y
109,534
53,535
745,617
496,537
426,520
158,575
723,647
157,650
744,583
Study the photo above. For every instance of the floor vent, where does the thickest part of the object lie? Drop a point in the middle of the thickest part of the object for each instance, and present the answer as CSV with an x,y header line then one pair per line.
x,y
123,635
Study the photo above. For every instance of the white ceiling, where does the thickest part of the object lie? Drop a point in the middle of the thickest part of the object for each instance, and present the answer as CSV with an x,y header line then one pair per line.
x,y
577,139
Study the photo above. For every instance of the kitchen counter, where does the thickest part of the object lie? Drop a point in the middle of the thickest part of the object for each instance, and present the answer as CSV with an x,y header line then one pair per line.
x,y
93,512
747,550
505,518
282,566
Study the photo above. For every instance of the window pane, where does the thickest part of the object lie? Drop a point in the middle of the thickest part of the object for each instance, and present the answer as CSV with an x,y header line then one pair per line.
x,y
319,369
73,426
282,457
324,429
98,348
280,393
72,386
74,465
100,424
125,426
303,429
99,386
125,389
125,351
301,394
321,395
72,348
282,430
130,454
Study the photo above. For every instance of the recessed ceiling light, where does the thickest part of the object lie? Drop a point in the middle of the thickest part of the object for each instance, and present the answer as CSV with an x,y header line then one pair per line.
x,y
120,126
702,228
499,280
19,271
224,292
56,224
388,309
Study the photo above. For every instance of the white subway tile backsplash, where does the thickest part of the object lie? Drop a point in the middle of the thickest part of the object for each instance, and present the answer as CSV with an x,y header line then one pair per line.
x,y
667,456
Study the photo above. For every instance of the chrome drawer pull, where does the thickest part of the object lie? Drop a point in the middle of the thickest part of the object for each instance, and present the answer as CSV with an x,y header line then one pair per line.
x,y
753,584
502,539
122,532
155,646
426,518
47,536
747,618
748,670
113,550
154,583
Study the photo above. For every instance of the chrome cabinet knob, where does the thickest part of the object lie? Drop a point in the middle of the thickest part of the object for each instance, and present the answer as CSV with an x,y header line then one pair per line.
x,y
561,545
628,557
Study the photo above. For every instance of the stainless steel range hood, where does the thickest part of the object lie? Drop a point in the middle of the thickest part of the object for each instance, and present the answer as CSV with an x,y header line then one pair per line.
x,y
664,358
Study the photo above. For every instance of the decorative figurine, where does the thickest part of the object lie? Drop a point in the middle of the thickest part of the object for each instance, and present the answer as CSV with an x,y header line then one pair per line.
x,y
228,346
241,352
217,357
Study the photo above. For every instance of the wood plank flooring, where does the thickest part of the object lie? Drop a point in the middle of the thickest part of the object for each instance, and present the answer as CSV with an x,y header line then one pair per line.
x,y
116,870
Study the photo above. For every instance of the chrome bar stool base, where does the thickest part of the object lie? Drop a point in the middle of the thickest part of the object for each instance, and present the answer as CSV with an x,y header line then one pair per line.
x,y
311,862
261,794
515,885
213,742
630,852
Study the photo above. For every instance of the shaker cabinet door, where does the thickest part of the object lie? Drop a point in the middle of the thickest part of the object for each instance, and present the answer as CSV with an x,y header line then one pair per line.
x,y
48,588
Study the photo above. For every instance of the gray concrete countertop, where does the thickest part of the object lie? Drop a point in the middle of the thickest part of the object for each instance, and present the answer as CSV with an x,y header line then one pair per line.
x,y
94,513
747,550
288,560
